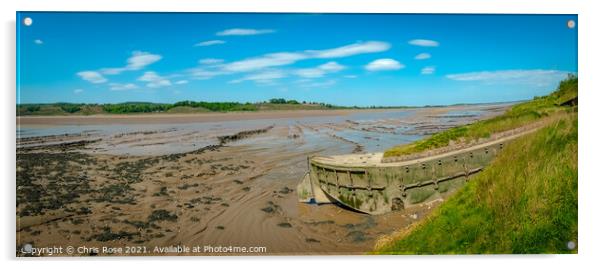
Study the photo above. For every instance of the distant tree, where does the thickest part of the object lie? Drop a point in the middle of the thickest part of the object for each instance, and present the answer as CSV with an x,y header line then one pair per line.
x,y
32,108
70,108
278,101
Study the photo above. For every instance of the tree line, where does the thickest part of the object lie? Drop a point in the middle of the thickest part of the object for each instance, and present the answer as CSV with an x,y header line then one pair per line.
x,y
145,107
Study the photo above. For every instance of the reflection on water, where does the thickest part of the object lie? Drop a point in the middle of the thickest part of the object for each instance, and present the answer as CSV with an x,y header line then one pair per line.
x,y
369,130
110,129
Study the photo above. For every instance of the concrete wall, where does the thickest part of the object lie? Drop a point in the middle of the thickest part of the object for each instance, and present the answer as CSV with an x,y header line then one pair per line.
x,y
377,190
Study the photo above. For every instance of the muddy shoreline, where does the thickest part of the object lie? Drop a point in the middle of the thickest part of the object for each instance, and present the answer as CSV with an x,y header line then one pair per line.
x,y
158,118
182,118
208,184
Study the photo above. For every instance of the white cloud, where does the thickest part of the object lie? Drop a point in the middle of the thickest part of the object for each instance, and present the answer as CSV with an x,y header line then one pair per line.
x,y
350,50
286,58
112,70
506,75
310,72
159,83
78,91
141,59
180,82
267,60
319,71
262,77
154,80
211,61
427,70
209,43
537,78
38,41
424,43
350,76
122,87
92,76
150,76
204,73
244,32
137,61
383,65
332,67
423,56
216,67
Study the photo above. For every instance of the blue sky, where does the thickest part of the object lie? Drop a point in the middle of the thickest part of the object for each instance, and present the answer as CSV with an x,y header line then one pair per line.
x,y
343,59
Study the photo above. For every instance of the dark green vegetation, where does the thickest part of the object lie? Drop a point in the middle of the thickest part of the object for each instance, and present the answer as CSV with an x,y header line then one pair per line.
x,y
525,202
58,109
519,115
178,107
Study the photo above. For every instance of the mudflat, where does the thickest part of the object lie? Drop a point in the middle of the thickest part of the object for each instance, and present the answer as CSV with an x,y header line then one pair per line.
x,y
174,181
149,118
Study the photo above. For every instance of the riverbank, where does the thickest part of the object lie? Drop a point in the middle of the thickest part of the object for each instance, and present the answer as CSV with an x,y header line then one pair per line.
x,y
162,118
562,100
208,116
162,183
525,202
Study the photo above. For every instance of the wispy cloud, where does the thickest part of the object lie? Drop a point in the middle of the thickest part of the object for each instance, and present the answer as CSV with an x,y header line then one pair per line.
x,y
154,80
265,64
350,50
209,43
503,75
78,91
180,82
92,77
137,61
203,73
423,56
211,61
320,71
38,41
122,87
287,58
262,77
384,65
424,43
427,70
532,77
244,32
264,61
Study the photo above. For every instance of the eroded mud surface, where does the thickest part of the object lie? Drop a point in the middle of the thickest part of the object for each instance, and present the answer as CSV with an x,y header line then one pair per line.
x,y
227,183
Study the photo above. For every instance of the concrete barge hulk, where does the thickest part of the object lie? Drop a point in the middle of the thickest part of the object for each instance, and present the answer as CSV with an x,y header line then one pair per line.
x,y
371,184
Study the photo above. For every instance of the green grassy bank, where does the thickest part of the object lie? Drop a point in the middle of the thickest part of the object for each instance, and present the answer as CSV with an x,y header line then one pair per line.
x,y
524,202
517,116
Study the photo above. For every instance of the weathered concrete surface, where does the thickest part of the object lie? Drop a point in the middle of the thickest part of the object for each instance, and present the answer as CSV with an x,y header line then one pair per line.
x,y
365,183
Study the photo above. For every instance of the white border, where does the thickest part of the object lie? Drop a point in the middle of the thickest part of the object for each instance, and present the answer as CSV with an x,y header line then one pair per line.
x,y
589,23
